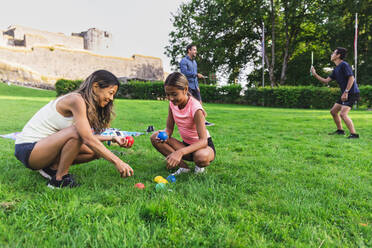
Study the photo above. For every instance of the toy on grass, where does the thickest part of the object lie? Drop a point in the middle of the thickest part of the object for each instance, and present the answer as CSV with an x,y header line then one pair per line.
x,y
171,179
139,186
160,186
163,136
160,179
130,140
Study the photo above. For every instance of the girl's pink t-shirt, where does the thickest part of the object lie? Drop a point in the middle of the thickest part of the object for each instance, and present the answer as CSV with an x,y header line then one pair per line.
x,y
184,119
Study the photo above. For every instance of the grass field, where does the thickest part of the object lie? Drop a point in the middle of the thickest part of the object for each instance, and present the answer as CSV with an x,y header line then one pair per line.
x,y
278,181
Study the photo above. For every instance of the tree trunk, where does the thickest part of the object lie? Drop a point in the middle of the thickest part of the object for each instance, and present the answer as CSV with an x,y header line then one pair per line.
x,y
285,57
272,65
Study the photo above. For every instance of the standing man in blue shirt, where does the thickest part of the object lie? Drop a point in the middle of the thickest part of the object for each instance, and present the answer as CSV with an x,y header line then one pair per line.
x,y
189,68
344,76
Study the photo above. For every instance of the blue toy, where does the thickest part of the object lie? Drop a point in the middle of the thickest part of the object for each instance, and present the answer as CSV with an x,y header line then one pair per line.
x,y
171,179
163,136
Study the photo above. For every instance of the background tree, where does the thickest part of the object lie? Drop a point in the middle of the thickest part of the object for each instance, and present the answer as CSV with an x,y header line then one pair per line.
x,y
228,35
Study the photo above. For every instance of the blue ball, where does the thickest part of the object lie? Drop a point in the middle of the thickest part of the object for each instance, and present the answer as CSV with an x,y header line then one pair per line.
x,y
171,179
163,136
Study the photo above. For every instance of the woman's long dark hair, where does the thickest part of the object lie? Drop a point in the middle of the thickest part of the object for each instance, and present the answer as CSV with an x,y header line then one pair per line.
x,y
99,118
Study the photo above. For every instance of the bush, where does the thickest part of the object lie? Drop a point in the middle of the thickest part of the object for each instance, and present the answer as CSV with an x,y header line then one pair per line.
x,y
292,97
64,86
283,97
223,94
301,97
142,90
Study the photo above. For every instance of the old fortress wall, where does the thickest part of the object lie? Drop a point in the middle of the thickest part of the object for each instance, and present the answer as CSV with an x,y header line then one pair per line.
x,y
39,58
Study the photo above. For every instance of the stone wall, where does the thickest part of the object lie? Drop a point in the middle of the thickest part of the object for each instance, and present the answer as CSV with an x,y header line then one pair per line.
x,y
2,40
46,64
29,37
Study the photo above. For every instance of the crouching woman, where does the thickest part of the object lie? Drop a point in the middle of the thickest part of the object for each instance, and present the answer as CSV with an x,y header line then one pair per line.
x,y
60,134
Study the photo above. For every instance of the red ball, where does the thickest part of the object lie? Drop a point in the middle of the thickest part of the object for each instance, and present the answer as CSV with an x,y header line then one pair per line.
x,y
139,185
130,140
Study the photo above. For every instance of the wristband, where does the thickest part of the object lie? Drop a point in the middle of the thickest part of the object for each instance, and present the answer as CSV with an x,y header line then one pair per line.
x,y
346,91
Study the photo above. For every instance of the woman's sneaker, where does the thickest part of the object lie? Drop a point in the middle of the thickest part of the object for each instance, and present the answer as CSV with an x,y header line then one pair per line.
x,y
67,181
199,170
48,173
181,171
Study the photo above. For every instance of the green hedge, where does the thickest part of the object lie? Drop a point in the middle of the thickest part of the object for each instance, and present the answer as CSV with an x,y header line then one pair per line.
x,y
64,86
292,97
283,97
301,97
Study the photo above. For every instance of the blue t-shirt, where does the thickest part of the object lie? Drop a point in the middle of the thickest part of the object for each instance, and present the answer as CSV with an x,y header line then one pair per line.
x,y
189,68
341,74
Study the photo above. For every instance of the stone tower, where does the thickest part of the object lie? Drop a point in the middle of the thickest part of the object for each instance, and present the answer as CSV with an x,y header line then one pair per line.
x,y
96,40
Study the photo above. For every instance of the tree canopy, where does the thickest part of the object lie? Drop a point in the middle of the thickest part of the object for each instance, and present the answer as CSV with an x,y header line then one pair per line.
x,y
228,35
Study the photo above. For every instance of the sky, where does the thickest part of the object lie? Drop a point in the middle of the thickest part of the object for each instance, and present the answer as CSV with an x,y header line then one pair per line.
x,y
137,26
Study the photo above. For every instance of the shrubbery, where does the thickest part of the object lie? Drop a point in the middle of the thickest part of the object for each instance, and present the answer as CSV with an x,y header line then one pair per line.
x,y
284,97
64,86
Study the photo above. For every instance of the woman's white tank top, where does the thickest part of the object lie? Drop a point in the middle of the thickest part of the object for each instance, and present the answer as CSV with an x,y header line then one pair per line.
x,y
44,123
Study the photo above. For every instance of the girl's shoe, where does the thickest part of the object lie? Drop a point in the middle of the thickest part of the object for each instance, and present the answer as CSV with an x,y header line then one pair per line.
x,y
199,170
181,171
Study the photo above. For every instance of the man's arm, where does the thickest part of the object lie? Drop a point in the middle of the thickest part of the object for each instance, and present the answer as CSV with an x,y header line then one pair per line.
x,y
185,71
350,83
321,79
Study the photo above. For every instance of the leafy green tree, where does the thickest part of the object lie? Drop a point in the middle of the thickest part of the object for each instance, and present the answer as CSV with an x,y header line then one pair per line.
x,y
228,35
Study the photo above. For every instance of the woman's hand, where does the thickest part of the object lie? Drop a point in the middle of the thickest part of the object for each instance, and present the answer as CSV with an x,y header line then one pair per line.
x,y
174,159
344,97
124,169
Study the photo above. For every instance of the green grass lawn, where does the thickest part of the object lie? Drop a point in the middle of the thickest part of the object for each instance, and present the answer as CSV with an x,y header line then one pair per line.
x,y
278,181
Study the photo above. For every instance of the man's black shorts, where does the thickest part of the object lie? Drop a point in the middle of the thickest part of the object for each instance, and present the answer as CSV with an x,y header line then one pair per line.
x,y
195,93
352,98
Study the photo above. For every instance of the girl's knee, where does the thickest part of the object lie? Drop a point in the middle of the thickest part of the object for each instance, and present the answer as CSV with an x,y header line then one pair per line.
x,y
201,159
153,139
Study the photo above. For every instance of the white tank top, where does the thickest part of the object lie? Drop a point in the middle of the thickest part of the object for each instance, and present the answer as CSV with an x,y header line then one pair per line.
x,y
44,123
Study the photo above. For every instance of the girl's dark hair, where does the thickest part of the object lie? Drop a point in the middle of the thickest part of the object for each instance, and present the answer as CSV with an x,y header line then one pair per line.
x,y
342,51
99,118
176,79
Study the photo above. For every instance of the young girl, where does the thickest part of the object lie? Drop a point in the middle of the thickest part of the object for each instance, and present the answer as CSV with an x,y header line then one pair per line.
x,y
60,134
189,115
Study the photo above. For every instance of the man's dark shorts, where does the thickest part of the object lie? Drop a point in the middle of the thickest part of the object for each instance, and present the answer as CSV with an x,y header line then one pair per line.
x,y
210,144
195,93
352,98
23,152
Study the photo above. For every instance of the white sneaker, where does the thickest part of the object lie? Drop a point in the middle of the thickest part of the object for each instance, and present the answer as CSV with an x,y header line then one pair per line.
x,y
199,170
181,171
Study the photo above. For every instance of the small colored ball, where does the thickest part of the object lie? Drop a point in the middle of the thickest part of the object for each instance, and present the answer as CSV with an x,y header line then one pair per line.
x,y
163,136
171,178
160,179
139,185
160,186
130,140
